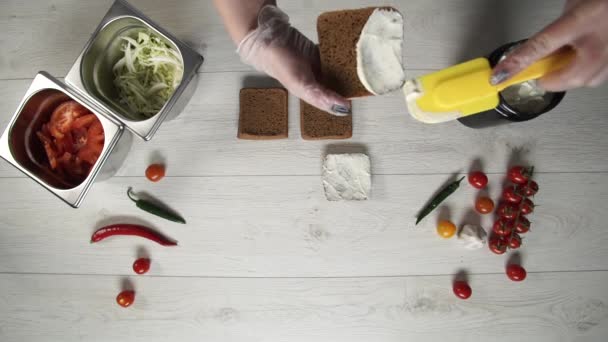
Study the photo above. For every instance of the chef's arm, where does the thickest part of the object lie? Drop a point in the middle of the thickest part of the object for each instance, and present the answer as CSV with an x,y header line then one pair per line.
x,y
266,40
240,16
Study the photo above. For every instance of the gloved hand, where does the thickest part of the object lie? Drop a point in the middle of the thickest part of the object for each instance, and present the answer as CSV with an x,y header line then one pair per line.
x,y
282,52
584,26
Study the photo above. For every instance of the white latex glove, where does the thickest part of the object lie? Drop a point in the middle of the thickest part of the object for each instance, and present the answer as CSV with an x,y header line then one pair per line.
x,y
282,52
584,27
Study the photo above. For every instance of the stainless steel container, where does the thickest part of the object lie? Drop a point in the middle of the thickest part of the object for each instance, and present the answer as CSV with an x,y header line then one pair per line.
x,y
92,72
89,82
20,146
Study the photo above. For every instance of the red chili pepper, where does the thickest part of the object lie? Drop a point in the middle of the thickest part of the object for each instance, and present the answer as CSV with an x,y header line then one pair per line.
x,y
133,230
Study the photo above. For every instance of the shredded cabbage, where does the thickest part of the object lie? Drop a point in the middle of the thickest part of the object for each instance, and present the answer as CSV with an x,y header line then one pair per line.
x,y
148,73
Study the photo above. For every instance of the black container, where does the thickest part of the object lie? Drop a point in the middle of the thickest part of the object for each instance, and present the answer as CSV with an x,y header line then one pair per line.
x,y
505,113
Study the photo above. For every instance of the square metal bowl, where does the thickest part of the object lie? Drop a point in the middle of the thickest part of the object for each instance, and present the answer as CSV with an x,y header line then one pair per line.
x,y
20,146
92,72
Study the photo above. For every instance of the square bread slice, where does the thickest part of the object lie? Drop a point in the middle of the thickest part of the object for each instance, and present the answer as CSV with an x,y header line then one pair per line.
x,y
316,124
263,114
339,35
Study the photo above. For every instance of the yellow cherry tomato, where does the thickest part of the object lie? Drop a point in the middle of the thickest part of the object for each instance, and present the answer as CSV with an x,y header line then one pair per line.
x,y
446,229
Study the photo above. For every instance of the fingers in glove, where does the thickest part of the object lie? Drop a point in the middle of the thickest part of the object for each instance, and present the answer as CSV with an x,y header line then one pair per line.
x,y
591,59
323,98
560,33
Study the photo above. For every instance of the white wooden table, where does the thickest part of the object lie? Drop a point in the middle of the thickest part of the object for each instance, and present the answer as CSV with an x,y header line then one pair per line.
x,y
264,256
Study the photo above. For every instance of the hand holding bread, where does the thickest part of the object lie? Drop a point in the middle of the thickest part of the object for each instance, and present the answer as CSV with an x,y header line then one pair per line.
x,y
282,52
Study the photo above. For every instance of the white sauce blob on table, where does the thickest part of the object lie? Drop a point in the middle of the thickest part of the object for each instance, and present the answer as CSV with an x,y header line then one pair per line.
x,y
347,177
472,236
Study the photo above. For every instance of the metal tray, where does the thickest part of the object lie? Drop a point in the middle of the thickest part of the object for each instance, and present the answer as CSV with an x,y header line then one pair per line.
x,y
89,82
20,146
92,73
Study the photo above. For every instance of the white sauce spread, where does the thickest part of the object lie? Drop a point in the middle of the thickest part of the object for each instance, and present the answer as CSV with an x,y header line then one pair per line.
x,y
472,236
379,52
347,177
527,97
413,90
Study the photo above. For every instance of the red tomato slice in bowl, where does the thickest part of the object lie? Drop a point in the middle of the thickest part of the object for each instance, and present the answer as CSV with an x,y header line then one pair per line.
x,y
63,117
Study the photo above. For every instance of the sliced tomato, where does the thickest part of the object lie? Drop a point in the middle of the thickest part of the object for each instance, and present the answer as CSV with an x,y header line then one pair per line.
x,y
91,151
47,143
73,140
51,154
80,137
63,117
44,135
96,132
84,121
89,154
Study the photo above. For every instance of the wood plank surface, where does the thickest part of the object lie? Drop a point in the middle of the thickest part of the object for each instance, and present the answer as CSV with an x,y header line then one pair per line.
x,y
264,257
283,227
202,140
41,35
556,307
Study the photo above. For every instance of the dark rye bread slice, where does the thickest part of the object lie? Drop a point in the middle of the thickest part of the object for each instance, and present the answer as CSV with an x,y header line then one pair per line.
x,y
263,113
339,33
316,124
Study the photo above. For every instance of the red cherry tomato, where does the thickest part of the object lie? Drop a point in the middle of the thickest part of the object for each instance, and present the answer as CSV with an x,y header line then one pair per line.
x,y
125,298
527,207
141,265
519,175
508,211
478,179
155,172
511,195
514,241
529,189
516,272
497,244
523,225
484,205
502,227
462,290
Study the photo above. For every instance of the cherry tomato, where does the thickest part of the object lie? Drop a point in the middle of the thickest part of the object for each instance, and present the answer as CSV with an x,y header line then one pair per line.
x,y
511,195
527,207
497,244
484,205
125,298
516,272
462,290
519,175
523,225
478,179
446,229
502,227
508,211
155,172
529,189
514,241
141,265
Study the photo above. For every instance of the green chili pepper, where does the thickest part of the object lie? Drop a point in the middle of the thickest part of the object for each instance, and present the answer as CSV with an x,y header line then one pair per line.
x,y
155,209
440,197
